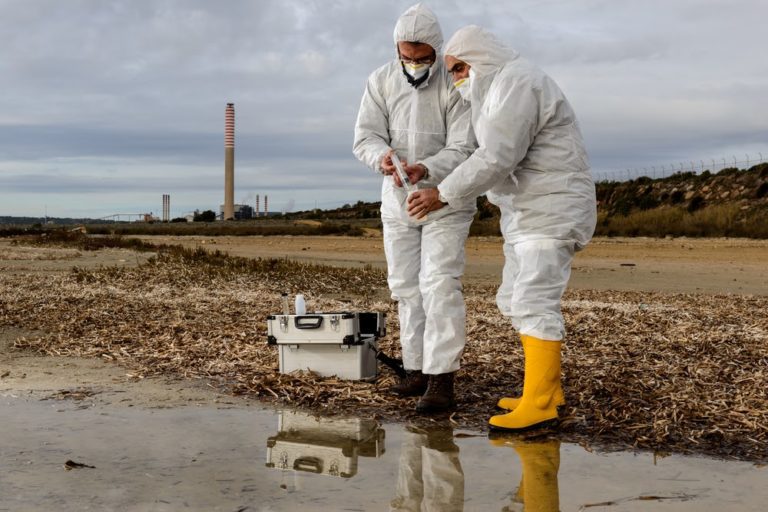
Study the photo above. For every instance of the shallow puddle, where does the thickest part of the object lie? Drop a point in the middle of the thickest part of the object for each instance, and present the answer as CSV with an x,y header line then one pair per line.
x,y
254,459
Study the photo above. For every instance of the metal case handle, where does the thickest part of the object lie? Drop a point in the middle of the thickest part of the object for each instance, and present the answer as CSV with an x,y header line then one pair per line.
x,y
308,321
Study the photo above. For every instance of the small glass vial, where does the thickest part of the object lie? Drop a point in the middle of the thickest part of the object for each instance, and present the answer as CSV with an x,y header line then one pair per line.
x,y
286,305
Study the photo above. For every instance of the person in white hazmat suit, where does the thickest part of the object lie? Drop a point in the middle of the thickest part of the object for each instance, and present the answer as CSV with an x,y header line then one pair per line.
x,y
429,476
410,107
531,162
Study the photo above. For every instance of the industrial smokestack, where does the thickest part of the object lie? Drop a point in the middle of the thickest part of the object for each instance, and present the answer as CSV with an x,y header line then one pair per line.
x,y
166,207
266,205
257,205
229,162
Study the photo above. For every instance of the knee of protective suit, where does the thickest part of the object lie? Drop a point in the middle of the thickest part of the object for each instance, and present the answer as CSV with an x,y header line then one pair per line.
x,y
439,285
404,291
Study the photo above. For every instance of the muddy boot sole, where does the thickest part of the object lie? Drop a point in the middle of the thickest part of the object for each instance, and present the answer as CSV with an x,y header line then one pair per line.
x,y
548,424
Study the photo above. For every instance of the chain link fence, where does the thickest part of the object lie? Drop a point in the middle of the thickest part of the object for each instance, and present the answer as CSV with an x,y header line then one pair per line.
x,y
695,166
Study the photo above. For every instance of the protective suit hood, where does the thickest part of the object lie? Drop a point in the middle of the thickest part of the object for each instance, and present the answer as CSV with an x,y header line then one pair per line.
x,y
418,24
480,49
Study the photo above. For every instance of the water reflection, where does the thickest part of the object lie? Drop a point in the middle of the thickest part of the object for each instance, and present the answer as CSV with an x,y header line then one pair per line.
x,y
430,475
326,446
538,490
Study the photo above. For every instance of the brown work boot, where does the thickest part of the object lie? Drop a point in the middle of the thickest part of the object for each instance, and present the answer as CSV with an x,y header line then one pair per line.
x,y
414,384
439,394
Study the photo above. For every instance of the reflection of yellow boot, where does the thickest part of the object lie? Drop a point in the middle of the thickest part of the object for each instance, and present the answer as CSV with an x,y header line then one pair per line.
x,y
510,403
540,461
538,405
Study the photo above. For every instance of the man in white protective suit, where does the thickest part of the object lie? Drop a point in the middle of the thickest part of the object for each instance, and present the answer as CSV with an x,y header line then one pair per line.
x,y
411,108
531,162
429,476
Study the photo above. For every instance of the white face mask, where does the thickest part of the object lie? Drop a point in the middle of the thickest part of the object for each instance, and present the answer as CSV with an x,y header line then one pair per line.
x,y
416,70
463,87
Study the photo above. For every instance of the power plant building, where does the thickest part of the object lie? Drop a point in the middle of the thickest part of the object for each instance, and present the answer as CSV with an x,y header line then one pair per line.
x,y
239,211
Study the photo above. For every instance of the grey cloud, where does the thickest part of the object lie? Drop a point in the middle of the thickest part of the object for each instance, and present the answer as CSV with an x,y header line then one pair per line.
x,y
139,88
61,141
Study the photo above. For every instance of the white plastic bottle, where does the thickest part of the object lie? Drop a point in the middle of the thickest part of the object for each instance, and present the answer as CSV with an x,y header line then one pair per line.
x,y
300,305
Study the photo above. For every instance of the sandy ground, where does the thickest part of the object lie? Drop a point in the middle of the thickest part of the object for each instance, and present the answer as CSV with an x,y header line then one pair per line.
x,y
92,382
712,266
686,265
88,381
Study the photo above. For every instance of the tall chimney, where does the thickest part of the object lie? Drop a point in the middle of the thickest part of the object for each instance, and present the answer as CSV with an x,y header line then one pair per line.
x,y
266,205
257,205
166,207
229,162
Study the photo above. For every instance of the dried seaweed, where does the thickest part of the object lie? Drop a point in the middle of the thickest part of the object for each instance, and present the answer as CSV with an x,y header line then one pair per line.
x,y
671,372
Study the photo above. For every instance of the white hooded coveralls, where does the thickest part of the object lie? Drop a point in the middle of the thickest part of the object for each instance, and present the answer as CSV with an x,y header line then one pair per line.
x,y
425,260
531,162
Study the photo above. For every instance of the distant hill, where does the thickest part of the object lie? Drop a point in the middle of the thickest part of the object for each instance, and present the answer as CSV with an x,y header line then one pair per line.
x,y
733,202
28,221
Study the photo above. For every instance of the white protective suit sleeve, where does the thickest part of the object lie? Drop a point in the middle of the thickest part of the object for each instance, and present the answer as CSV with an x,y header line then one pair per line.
x,y
371,130
510,123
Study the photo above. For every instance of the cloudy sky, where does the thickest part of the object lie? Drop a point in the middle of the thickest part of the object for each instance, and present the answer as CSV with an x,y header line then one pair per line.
x,y
105,105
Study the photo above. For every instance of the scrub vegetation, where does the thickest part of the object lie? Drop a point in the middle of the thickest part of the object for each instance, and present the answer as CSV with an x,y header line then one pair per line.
x,y
664,372
265,227
731,203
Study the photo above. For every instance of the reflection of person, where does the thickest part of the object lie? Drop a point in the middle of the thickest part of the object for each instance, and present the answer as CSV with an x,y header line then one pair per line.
x,y
411,107
532,163
430,476
540,461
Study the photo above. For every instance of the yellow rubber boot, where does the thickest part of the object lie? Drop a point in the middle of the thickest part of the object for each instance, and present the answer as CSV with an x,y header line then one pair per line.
x,y
538,405
510,403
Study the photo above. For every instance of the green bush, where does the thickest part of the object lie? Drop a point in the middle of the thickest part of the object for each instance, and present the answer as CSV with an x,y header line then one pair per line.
x,y
676,197
206,216
696,203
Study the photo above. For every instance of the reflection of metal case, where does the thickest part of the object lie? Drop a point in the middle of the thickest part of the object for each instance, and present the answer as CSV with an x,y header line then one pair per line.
x,y
341,344
327,446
